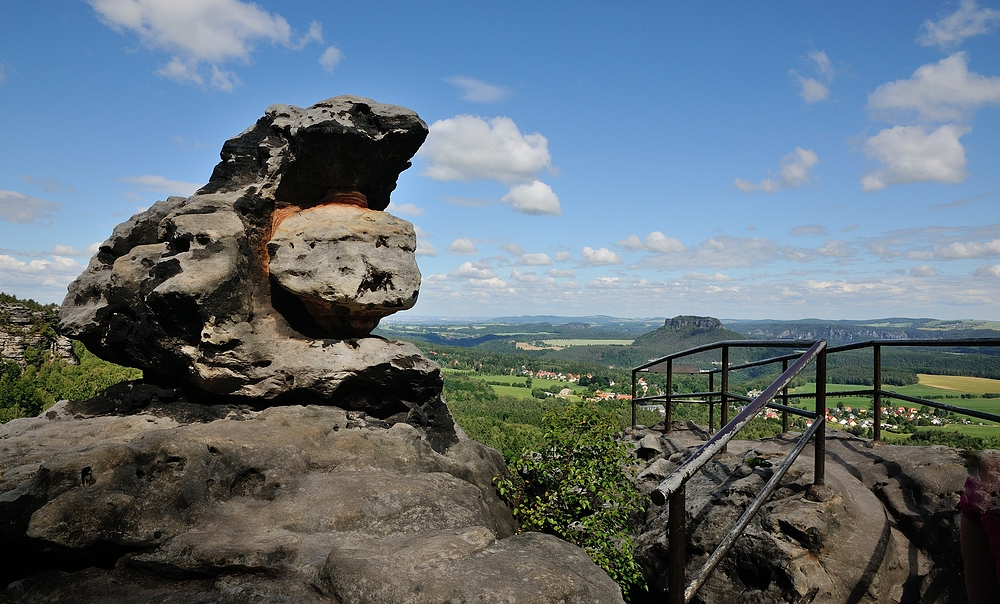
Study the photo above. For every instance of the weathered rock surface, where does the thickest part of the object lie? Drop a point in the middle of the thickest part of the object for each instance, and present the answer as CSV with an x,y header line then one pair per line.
x,y
267,282
221,503
884,529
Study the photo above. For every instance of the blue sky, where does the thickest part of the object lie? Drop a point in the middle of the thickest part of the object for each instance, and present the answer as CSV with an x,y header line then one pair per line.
x,y
742,160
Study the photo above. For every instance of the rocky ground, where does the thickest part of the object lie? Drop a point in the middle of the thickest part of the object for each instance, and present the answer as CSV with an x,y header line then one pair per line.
x,y
179,502
885,529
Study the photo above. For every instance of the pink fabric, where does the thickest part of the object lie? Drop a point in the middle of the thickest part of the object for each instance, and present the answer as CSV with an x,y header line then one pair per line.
x,y
979,506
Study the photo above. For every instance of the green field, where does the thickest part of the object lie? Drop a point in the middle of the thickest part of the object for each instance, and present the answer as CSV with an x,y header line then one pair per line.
x,y
553,386
565,343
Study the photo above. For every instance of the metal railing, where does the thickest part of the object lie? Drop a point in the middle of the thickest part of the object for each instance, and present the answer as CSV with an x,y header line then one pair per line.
x,y
672,489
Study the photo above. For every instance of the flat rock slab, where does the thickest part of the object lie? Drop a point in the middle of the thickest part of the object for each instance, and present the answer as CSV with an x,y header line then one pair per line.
x,y
277,505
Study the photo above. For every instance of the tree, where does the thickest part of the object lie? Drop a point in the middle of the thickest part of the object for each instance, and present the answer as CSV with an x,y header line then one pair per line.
x,y
577,487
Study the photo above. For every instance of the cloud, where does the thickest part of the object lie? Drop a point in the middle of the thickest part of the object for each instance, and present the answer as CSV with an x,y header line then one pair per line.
x,y
560,273
794,172
161,184
600,257
512,248
836,248
206,31
911,154
850,227
969,20
463,245
330,58
468,271
40,279
704,277
535,199
812,90
924,270
68,250
814,230
48,185
938,92
477,91
962,202
23,209
988,270
405,209
655,242
527,277
539,259
563,257
425,248
973,249
468,147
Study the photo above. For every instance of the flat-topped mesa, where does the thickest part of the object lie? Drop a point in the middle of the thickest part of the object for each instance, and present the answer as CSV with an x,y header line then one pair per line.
x,y
268,281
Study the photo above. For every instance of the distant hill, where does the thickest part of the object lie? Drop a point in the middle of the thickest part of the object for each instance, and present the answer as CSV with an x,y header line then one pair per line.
x,y
847,332
679,333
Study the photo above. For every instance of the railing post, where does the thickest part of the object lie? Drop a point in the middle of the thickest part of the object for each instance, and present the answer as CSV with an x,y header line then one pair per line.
x,y
725,389
819,471
667,420
877,387
633,399
784,400
676,554
711,402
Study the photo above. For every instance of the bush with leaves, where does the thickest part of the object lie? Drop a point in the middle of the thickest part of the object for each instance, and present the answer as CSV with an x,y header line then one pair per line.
x,y
577,487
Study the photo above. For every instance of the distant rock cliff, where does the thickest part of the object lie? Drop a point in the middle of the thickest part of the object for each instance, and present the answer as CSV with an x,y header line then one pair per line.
x,y
22,328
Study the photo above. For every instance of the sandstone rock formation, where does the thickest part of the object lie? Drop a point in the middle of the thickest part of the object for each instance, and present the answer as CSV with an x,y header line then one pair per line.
x,y
275,451
182,502
267,282
885,528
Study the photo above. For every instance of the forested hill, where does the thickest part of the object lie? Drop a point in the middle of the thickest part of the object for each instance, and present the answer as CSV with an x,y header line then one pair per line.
x,y
676,334
846,332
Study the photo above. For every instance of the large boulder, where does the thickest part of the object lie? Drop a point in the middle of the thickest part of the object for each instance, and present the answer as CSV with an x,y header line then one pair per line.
x,y
181,502
266,284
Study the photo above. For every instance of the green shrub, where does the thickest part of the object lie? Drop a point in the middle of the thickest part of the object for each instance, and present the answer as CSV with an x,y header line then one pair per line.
x,y
576,486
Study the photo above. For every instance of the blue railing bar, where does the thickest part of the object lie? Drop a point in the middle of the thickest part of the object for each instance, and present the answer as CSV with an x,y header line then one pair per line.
x,y
737,531
731,344
681,475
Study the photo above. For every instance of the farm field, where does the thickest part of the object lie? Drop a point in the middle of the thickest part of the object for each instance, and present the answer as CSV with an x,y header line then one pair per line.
x,y
508,388
972,385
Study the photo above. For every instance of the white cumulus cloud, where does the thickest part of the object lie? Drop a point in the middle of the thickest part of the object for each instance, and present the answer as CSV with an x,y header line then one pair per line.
x,y
539,259
478,91
911,154
793,172
560,273
203,31
535,199
468,147
405,209
972,249
469,271
600,257
655,242
704,277
924,270
969,20
463,245
563,257
526,277
937,92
